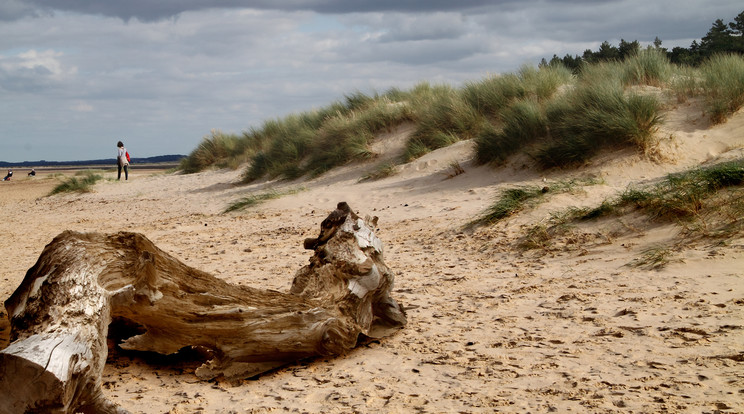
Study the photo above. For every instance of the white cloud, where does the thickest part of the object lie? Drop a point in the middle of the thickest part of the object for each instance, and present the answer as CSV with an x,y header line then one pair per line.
x,y
82,107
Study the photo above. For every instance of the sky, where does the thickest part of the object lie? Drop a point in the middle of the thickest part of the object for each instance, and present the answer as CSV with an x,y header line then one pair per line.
x,y
76,76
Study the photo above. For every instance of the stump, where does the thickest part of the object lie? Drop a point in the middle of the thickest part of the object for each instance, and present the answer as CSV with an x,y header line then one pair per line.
x,y
60,314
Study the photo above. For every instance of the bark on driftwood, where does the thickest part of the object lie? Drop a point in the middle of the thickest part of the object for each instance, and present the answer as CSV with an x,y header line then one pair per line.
x,y
61,312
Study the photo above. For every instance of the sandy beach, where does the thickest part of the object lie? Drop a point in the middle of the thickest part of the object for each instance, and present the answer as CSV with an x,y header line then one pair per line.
x,y
573,327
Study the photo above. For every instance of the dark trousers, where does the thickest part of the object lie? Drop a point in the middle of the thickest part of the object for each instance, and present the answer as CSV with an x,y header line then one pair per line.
x,y
126,172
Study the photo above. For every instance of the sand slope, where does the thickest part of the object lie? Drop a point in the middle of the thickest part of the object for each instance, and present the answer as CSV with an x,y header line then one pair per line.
x,y
492,328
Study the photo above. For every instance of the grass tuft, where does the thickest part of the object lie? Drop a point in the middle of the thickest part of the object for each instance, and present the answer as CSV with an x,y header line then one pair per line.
x,y
81,183
256,199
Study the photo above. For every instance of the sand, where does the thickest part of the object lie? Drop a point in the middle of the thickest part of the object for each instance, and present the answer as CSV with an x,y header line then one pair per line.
x,y
571,327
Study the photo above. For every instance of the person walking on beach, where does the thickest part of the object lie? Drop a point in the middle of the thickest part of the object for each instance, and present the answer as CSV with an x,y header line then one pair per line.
x,y
122,161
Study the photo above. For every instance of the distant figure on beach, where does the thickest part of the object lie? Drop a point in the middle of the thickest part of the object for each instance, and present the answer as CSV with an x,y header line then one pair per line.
x,y
121,161
32,173
7,177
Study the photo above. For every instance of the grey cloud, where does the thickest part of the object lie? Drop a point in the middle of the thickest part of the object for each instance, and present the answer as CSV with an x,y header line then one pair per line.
x,y
148,10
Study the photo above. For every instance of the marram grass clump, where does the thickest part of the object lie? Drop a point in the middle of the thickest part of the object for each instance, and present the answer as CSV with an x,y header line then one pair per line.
x,y
81,183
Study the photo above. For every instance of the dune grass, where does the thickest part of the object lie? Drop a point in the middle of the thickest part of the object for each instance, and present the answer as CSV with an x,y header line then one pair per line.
x,y
723,83
681,196
524,122
597,114
594,113
80,183
314,142
442,118
509,202
221,150
559,119
708,203
719,81
513,200
253,200
386,169
647,67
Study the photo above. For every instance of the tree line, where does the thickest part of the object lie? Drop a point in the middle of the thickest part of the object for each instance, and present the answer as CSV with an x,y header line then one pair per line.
x,y
721,38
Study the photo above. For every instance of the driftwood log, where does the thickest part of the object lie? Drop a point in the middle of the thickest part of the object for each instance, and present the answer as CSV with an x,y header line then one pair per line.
x,y
60,314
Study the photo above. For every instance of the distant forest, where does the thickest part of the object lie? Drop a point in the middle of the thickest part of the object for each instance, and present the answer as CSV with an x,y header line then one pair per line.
x,y
721,38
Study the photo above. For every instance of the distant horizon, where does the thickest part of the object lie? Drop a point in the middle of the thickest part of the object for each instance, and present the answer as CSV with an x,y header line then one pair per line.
x,y
92,161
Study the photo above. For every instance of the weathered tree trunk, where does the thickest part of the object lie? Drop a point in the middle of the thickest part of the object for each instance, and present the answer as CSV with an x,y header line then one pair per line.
x,y
61,312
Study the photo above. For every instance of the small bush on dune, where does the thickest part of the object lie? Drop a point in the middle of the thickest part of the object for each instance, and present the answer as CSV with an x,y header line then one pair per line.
x,y
383,170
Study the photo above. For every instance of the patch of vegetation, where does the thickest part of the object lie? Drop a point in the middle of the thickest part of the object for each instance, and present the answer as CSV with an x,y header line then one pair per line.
x,y
256,199
596,115
221,150
386,169
513,200
654,258
719,81
706,202
509,202
442,117
647,67
455,169
723,83
680,196
315,142
80,183
524,122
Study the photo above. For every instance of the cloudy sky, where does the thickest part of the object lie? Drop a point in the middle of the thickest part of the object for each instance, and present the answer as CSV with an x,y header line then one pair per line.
x,y
78,75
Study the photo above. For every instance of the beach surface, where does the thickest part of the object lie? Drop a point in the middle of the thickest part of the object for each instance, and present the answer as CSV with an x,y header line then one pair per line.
x,y
575,326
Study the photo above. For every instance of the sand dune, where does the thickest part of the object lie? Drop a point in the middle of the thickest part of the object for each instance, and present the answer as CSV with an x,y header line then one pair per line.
x,y
572,327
